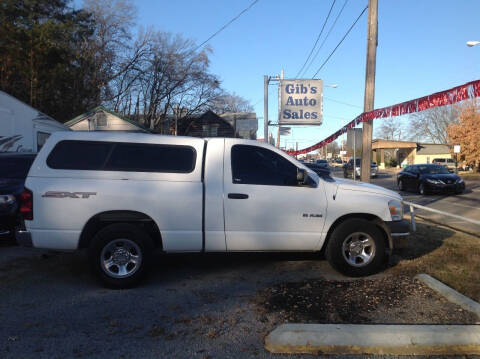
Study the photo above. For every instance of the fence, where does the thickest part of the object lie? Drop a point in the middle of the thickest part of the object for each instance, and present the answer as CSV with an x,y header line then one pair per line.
x,y
412,214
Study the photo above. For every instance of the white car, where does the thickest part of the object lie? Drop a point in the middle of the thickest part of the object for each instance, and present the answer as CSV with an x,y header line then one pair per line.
x,y
121,195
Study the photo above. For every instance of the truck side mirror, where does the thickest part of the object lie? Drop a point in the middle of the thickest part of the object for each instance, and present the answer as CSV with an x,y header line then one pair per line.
x,y
301,176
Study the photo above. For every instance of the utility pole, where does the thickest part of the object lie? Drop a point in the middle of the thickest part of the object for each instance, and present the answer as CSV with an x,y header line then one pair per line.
x,y
279,114
368,104
265,108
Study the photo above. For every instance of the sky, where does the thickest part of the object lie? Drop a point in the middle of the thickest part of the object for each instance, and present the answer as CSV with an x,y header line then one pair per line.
x,y
421,49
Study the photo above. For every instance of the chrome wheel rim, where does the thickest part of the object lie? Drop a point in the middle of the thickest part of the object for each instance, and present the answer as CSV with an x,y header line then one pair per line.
x,y
121,258
358,249
422,189
400,185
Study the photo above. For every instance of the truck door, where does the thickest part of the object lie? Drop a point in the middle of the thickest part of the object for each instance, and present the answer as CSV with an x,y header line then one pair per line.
x,y
265,207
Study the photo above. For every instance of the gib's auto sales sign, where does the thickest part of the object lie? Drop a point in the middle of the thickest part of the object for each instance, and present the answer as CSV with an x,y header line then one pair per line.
x,y
301,102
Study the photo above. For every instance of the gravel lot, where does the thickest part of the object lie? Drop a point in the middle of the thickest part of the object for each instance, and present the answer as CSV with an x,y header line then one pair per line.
x,y
211,306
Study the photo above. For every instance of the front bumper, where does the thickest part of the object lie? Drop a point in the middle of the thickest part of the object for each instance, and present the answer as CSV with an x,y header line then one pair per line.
x,y
24,238
399,232
445,188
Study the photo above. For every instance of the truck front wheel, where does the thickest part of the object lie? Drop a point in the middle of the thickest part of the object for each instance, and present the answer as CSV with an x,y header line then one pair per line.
x,y
120,255
356,248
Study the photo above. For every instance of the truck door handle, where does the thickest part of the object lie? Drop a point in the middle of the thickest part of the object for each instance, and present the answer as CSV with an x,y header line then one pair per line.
x,y
237,196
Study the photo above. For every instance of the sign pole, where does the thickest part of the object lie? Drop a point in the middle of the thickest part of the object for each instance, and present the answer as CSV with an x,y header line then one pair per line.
x,y
279,114
456,150
265,108
369,89
354,154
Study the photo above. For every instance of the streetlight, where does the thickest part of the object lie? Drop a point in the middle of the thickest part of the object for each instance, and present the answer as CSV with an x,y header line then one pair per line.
x,y
472,43
332,86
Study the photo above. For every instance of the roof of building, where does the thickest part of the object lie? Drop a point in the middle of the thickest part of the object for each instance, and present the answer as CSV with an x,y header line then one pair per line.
x,y
432,149
101,108
209,116
380,143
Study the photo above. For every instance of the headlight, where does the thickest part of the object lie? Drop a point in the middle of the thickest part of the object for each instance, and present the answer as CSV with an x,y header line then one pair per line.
x,y
396,209
460,180
434,181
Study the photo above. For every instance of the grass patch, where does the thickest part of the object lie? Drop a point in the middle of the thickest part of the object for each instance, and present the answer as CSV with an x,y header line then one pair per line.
x,y
449,256
470,175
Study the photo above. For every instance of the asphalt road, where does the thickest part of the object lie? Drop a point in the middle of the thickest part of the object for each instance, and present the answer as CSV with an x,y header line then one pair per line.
x,y
466,205
190,306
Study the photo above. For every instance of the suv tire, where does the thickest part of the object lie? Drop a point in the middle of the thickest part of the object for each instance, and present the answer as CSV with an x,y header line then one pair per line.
x,y
120,255
356,248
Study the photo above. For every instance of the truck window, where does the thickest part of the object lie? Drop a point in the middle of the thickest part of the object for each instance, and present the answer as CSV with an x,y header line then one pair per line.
x,y
119,156
139,157
260,166
79,155
41,139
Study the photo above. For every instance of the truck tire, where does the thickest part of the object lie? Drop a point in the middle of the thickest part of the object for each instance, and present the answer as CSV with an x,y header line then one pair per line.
x,y
356,248
120,255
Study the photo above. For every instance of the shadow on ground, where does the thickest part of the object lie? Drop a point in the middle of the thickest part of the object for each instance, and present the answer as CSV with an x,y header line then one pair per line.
x,y
425,240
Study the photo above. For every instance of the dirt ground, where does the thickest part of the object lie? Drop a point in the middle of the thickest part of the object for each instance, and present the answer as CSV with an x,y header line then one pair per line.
x,y
388,300
447,255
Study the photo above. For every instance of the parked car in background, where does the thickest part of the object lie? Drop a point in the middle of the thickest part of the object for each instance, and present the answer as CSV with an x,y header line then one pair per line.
x,y
13,172
445,162
319,170
337,162
322,163
429,178
348,168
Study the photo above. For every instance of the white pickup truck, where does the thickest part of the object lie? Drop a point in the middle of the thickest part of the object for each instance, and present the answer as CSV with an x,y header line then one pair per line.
x,y
121,195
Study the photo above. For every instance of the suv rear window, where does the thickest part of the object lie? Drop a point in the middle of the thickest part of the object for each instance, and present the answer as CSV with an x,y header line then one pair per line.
x,y
119,156
15,166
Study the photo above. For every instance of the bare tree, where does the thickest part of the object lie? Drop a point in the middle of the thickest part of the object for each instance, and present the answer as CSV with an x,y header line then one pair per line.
x,y
231,103
114,20
164,76
431,125
390,129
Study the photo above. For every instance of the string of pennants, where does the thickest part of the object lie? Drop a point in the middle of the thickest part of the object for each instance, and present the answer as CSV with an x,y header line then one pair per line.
x,y
447,97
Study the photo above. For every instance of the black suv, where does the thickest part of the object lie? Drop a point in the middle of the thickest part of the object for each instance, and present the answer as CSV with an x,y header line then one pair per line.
x,y
14,168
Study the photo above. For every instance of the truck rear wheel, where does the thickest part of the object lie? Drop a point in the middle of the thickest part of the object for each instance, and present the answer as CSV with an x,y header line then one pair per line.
x,y
120,255
356,248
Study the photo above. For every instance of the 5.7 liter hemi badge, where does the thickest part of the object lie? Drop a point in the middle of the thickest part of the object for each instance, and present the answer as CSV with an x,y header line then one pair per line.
x,y
57,194
312,215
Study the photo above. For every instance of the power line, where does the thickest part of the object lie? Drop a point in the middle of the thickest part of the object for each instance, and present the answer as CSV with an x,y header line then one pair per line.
x,y
343,103
325,39
228,23
318,38
343,38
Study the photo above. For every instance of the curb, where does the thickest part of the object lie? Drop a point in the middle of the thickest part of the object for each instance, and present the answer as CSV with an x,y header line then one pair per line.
x,y
374,339
451,294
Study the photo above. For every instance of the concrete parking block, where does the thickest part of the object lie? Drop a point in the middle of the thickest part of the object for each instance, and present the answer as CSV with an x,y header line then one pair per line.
x,y
375,339
451,294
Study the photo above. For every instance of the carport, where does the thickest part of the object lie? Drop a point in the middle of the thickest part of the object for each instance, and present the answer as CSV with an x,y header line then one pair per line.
x,y
401,151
